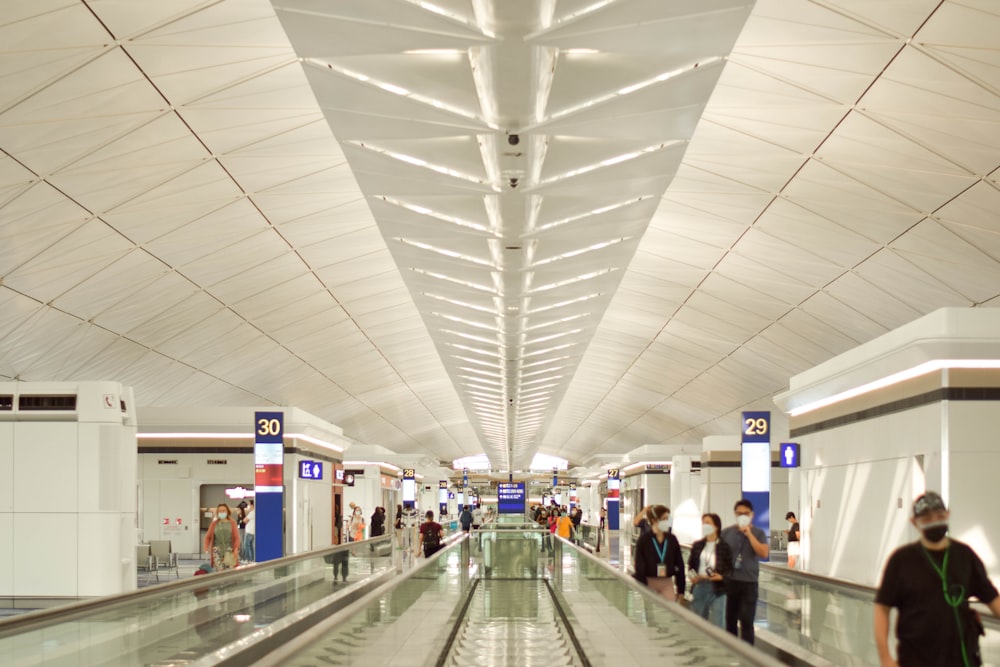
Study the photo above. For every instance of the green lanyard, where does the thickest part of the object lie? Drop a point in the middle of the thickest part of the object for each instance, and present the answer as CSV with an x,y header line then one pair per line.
x,y
953,601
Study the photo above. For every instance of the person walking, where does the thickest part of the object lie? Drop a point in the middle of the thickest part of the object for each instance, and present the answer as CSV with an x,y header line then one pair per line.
x,y
250,536
793,539
658,556
356,526
465,518
930,582
431,534
564,526
748,544
710,562
222,541
378,522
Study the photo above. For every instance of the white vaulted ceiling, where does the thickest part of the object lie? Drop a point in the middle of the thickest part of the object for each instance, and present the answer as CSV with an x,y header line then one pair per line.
x,y
234,203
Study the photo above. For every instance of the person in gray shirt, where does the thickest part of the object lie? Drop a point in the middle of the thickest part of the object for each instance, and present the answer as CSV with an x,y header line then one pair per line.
x,y
748,544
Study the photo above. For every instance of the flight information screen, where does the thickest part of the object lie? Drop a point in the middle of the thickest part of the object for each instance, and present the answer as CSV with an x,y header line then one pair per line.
x,y
510,498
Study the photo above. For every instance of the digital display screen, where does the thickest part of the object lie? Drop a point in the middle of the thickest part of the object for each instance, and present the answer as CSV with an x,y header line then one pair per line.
x,y
510,498
756,466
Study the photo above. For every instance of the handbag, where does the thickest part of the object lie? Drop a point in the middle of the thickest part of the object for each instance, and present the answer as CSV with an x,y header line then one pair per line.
x,y
229,559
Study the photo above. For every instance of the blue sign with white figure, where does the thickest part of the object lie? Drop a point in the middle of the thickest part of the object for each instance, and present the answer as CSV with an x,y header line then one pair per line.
x,y
789,455
310,470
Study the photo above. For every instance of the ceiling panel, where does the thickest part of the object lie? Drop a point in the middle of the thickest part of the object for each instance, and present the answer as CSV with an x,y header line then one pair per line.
x,y
346,205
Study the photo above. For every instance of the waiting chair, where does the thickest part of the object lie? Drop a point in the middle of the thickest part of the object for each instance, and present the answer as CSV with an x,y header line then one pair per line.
x,y
164,556
144,561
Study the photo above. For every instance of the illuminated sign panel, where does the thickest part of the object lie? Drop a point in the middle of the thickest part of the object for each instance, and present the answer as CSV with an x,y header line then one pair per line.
x,y
510,498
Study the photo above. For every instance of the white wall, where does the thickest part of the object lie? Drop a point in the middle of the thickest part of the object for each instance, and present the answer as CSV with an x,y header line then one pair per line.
x,y
857,488
971,489
309,507
173,491
67,495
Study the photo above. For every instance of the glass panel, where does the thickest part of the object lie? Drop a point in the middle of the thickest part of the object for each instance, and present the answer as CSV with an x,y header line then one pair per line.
x,y
183,620
616,623
406,626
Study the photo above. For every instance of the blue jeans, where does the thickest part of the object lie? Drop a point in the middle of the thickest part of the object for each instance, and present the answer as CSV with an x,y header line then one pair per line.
x,y
249,548
708,605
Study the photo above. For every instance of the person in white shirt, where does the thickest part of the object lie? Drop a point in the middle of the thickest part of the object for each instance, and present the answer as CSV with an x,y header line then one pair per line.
x,y
250,530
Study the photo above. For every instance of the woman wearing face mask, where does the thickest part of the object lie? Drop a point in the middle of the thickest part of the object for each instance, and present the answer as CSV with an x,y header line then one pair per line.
x,y
356,528
711,559
658,556
222,542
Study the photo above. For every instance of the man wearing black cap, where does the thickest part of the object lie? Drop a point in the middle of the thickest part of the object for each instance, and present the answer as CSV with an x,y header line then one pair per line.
x,y
930,582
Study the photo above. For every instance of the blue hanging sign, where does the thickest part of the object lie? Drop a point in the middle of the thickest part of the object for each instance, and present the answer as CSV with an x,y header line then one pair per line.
x,y
789,455
310,470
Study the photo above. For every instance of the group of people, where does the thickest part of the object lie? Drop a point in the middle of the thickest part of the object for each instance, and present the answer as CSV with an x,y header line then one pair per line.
x,y
929,582
560,521
356,523
724,565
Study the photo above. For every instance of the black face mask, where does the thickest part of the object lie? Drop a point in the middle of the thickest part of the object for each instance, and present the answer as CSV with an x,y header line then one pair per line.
x,y
935,532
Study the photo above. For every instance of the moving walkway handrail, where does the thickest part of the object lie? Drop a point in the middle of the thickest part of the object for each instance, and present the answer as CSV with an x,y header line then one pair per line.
x,y
85,608
989,620
740,648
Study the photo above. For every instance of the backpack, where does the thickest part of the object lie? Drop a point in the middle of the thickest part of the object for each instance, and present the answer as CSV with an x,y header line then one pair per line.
x,y
431,540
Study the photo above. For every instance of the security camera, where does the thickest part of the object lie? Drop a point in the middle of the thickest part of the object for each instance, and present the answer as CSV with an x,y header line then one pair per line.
x,y
513,139
513,182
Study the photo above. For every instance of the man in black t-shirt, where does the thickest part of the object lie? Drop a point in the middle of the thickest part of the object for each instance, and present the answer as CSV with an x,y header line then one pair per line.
x,y
930,582
793,539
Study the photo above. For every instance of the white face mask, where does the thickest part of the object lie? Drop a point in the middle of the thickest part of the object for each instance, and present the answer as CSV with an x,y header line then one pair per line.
x,y
743,521
663,525
707,529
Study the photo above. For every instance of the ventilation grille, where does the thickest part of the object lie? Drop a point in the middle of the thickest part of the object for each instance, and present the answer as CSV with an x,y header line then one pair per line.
x,y
47,402
6,402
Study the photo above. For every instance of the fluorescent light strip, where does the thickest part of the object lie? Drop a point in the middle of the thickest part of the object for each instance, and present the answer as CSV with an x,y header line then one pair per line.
x,y
552,323
492,374
197,436
487,353
610,161
235,436
628,90
588,214
489,381
473,360
571,281
472,337
896,378
581,251
445,252
470,323
549,349
563,304
381,464
423,210
463,304
544,379
542,363
543,339
464,283
394,89
420,162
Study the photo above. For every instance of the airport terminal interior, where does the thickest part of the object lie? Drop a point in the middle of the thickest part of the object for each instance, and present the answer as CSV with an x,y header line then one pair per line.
x,y
329,256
